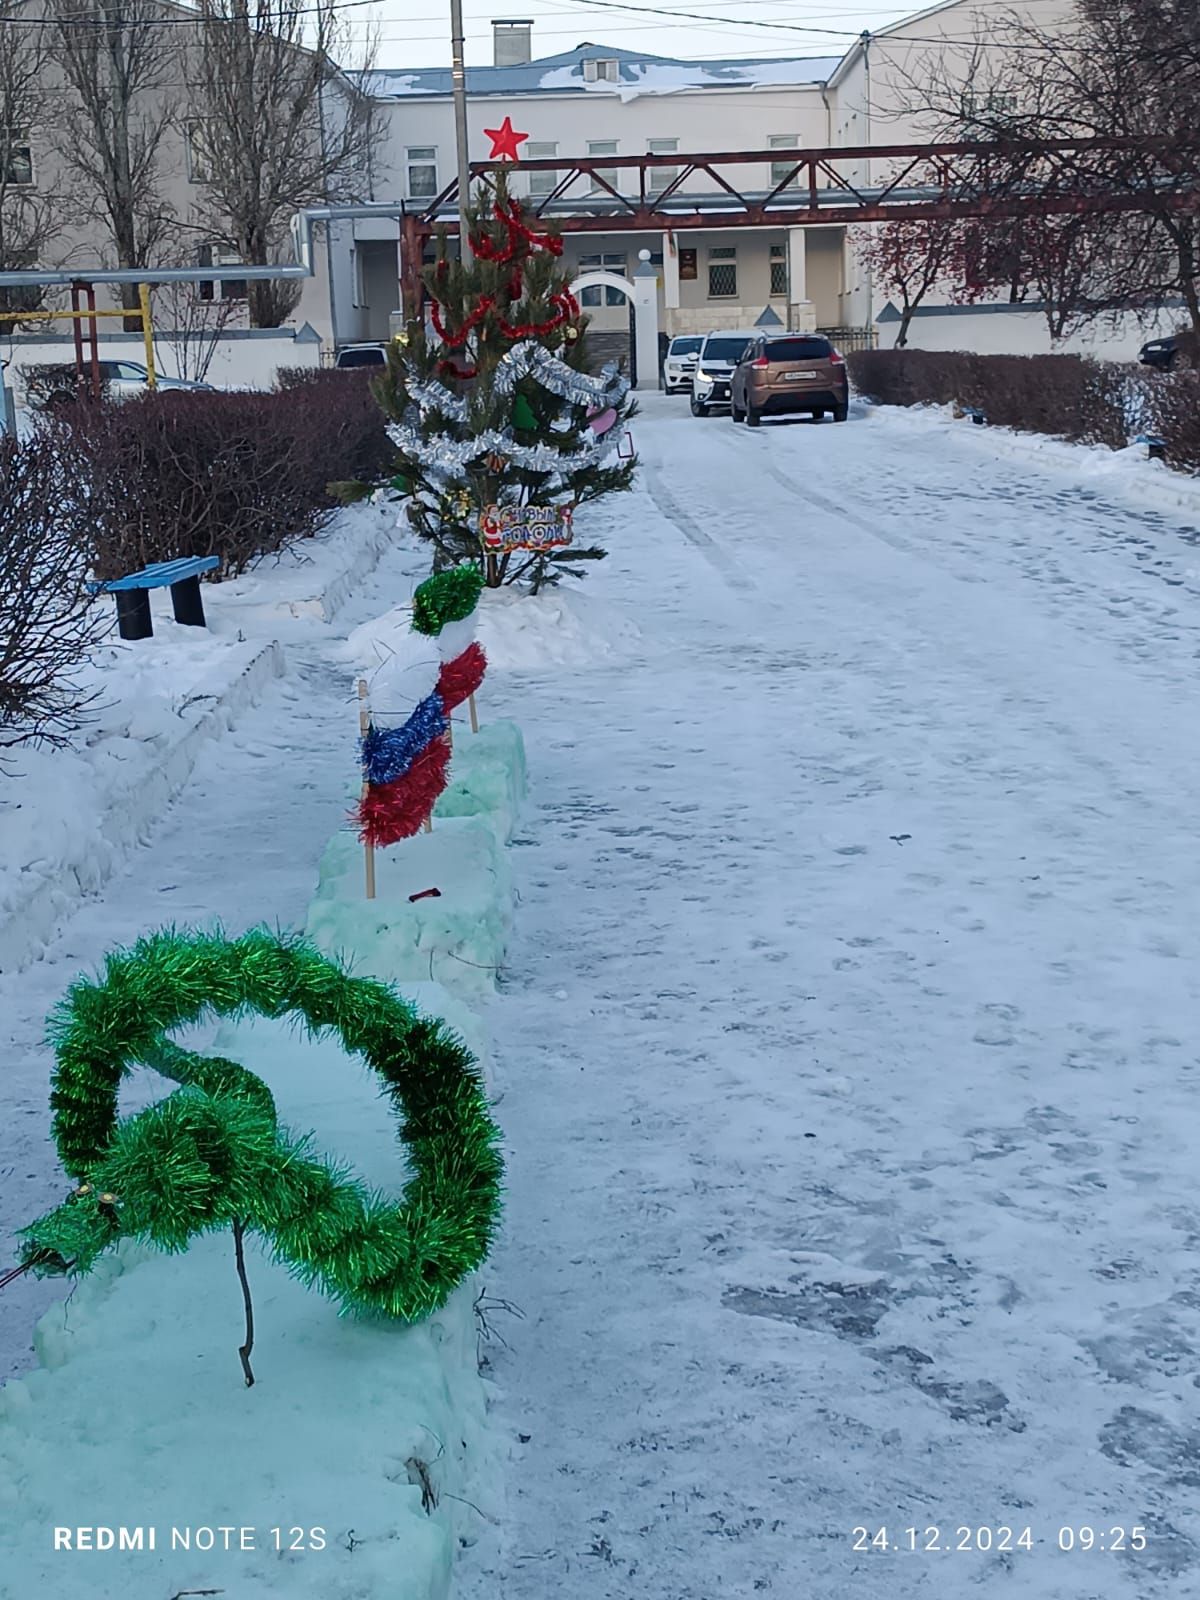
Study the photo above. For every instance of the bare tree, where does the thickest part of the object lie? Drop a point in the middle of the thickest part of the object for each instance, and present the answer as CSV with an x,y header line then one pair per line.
x,y
193,327
29,215
279,127
116,57
1122,70
908,259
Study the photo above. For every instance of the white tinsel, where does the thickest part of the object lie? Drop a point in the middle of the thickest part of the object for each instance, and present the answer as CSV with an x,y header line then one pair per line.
x,y
448,459
530,359
431,395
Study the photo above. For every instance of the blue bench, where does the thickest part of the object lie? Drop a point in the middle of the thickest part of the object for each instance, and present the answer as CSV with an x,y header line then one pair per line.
x,y
1156,448
132,594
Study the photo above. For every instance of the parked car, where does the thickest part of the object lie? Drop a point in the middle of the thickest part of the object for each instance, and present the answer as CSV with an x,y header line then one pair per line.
x,y
782,374
680,362
52,384
719,355
360,355
1175,350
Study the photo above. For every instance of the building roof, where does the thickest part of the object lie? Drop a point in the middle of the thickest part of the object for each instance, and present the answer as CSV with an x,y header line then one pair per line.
x,y
637,74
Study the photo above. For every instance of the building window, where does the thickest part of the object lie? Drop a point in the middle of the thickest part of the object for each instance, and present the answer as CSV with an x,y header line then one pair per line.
x,y
16,158
779,272
212,255
781,171
199,160
660,178
542,182
421,161
990,106
603,147
602,294
722,272
604,69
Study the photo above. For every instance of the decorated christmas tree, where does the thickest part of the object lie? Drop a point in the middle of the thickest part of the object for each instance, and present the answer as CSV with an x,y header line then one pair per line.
x,y
502,432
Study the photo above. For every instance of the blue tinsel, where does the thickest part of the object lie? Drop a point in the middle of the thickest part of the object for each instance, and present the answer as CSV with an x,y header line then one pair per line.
x,y
387,753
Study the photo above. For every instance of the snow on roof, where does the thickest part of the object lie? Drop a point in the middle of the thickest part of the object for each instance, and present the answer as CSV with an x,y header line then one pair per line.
x,y
637,74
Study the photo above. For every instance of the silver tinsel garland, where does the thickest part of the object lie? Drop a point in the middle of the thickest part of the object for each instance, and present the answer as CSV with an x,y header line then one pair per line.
x,y
530,359
448,459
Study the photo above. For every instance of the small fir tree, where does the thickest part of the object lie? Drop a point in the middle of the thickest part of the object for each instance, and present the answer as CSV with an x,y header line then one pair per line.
x,y
491,404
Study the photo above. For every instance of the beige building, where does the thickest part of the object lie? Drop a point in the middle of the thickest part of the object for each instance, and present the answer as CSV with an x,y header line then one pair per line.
x,y
594,101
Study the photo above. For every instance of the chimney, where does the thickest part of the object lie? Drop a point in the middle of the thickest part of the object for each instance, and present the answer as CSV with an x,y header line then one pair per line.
x,y
511,43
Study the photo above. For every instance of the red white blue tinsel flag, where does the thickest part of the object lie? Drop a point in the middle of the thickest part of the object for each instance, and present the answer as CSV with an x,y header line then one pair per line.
x,y
405,768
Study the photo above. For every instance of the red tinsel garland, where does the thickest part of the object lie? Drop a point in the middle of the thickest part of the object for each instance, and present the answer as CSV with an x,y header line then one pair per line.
x,y
389,812
568,310
460,678
485,250
449,370
457,340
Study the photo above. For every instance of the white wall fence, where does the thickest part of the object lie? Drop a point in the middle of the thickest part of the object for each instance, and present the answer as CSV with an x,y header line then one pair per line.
x,y
243,358
1020,331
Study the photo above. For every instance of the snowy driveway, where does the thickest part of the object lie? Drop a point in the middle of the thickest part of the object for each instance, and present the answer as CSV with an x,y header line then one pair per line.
x,y
849,1045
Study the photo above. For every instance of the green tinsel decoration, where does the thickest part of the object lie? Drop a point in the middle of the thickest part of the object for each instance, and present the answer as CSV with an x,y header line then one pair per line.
x,y
446,597
211,1153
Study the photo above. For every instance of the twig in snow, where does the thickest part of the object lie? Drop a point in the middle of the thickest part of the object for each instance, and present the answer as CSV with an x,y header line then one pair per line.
x,y
486,1515
244,1350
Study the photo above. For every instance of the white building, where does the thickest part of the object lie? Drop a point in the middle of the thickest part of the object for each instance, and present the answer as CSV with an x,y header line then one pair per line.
x,y
601,100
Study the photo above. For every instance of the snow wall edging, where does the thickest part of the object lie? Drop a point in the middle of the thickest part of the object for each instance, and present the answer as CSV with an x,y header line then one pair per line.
x,y
138,1404
132,809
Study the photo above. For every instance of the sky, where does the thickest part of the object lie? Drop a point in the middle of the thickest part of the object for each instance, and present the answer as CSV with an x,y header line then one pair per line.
x,y
415,33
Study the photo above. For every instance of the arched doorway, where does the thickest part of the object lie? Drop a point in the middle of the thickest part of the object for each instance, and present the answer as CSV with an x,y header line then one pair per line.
x,y
605,345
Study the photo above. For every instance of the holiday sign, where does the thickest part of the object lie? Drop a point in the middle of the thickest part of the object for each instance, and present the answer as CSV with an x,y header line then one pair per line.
x,y
525,527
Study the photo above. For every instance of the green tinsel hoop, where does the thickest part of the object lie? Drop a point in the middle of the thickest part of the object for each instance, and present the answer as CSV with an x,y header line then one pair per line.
x,y
446,597
211,1154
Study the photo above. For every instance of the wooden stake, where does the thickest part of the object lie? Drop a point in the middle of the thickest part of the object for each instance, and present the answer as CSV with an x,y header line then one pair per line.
x,y
474,713
364,724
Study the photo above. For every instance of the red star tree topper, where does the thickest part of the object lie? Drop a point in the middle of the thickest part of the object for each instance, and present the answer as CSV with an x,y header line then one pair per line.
x,y
505,140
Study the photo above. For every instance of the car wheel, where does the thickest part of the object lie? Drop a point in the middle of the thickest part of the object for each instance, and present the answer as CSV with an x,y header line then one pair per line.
x,y
818,416
753,417
698,410
735,411
840,413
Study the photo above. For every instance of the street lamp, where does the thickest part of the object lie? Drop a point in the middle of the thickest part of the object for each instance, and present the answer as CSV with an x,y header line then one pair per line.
x,y
458,80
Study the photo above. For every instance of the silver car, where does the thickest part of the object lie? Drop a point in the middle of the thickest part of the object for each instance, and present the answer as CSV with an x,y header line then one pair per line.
x,y
719,355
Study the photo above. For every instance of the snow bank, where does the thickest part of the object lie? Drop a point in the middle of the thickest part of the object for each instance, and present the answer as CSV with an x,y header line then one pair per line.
x,y
69,817
363,1443
558,627
1124,474
519,631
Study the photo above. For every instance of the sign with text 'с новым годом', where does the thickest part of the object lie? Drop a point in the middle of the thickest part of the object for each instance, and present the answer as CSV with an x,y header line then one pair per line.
x,y
525,527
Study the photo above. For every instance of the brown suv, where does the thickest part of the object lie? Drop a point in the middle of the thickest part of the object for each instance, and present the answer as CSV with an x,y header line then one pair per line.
x,y
786,372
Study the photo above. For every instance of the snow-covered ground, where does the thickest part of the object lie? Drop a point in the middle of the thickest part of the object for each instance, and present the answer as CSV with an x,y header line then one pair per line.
x,y
845,1054
849,1043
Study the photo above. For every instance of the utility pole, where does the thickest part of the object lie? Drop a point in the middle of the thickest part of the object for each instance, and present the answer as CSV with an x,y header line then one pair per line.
x,y
458,79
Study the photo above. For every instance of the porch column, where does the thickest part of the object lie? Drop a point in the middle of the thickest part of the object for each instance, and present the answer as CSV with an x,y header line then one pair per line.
x,y
802,315
645,303
670,255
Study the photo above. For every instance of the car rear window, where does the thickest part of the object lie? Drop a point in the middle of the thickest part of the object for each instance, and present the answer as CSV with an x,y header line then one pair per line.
x,y
798,349
361,358
725,349
685,347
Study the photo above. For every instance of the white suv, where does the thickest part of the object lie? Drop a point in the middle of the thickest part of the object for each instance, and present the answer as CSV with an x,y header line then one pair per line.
x,y
680,362
719,354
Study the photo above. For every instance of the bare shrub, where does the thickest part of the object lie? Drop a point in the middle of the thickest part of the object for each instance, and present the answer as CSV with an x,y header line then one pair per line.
x,y
180,474
232,474
1174,414
48,620
1068,397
